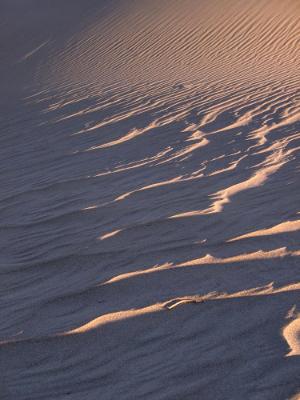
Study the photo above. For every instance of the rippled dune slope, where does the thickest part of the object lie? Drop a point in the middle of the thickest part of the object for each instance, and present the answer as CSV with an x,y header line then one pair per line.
x,y
108,41
149,203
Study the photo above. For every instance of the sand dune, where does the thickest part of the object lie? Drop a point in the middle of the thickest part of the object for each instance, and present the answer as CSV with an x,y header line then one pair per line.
x,y
149,203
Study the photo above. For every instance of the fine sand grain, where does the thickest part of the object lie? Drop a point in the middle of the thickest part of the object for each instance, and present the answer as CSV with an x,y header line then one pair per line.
x,y
150,200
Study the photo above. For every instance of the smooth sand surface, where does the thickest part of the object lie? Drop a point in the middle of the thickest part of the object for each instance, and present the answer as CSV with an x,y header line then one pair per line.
x,y
150,200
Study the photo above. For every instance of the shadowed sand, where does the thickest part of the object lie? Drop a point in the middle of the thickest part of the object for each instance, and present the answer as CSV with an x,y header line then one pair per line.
x,y
149,203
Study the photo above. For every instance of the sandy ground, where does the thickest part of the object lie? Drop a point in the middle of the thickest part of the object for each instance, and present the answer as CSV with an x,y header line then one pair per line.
x,y
150,200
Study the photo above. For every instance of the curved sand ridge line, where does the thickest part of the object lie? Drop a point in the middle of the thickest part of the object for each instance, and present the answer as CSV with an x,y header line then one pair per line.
x,y
287,226
290,332
209,259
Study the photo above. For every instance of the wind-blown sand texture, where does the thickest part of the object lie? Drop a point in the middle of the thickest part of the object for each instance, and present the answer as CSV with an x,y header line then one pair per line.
x,y
150,200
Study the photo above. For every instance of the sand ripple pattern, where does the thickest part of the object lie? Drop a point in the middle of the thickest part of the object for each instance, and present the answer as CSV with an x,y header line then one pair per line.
x,y
181,39
140,222
149,203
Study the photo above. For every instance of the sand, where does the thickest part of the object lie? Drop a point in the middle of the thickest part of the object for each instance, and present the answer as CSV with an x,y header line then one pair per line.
x,y
149,202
